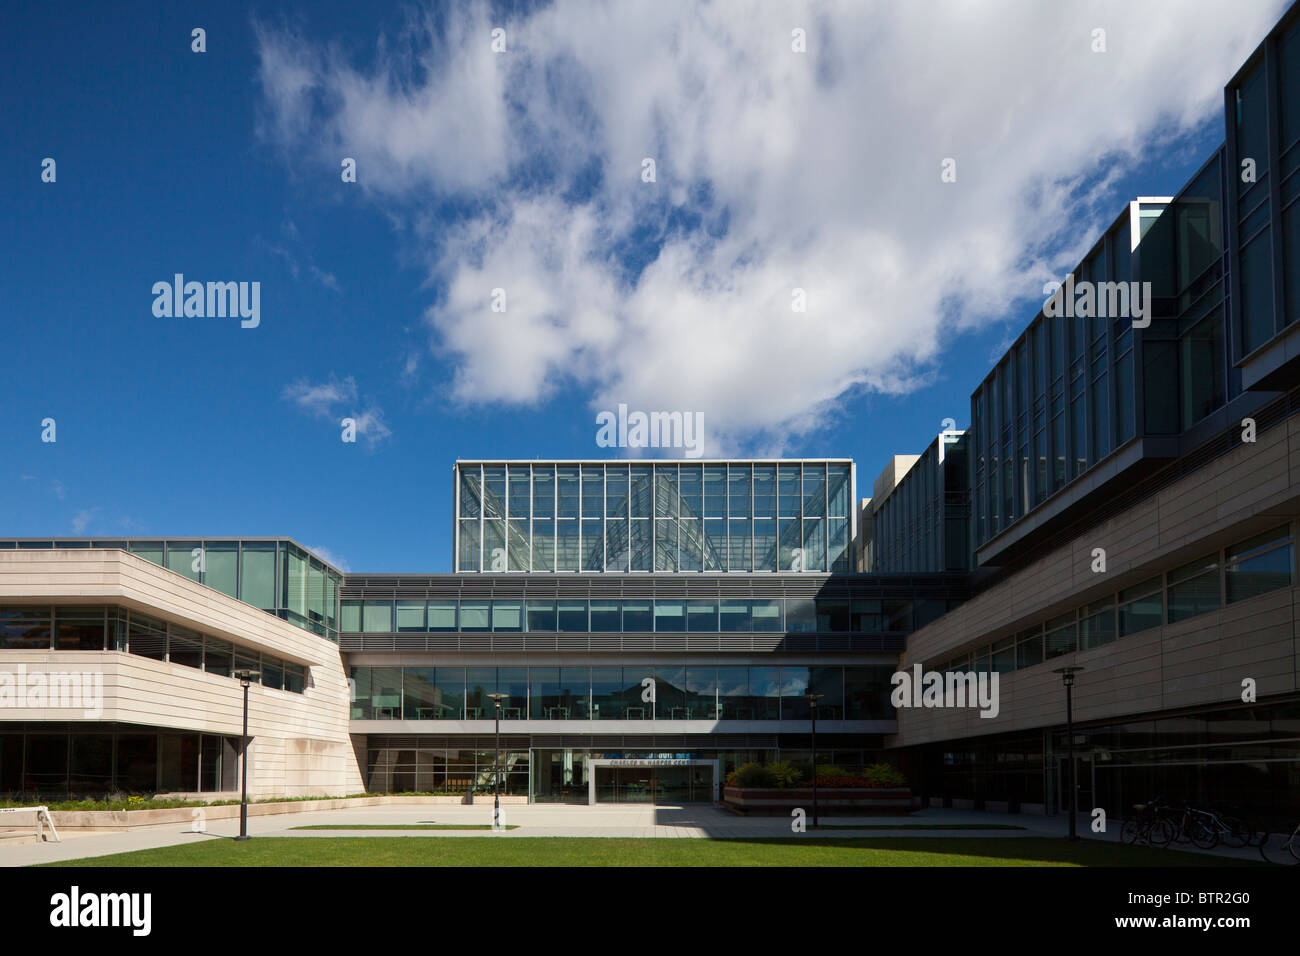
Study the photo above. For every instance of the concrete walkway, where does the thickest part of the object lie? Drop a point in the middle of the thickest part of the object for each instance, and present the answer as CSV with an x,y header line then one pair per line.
x,y
549,820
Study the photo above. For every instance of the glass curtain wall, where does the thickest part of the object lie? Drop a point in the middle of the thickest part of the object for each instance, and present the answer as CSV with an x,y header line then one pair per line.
x,y
623,517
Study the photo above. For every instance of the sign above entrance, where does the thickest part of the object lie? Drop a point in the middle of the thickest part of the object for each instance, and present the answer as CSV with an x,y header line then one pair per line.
x,y
650,762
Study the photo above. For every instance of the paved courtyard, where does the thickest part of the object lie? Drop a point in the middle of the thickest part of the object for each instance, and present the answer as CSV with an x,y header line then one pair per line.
x,y
547,820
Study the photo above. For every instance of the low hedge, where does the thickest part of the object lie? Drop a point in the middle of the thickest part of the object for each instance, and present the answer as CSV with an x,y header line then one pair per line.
x,y
137,802
783,776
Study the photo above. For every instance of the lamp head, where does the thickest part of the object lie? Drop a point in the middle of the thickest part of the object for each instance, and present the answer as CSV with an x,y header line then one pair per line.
x,y
1067,674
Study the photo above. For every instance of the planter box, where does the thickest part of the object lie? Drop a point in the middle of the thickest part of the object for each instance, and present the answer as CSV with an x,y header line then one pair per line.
x,y
118,821
892,800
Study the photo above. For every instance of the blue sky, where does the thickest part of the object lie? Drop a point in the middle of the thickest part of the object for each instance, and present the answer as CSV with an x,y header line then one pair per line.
x,y
521,170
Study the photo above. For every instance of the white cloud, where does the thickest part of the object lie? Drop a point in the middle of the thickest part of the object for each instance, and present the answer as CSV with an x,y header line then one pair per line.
x,y
81,520
775,170
331,557
336,399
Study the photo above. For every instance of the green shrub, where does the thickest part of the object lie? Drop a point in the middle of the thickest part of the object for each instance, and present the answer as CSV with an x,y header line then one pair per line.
x,y
780,775
884,775
751,775
786,774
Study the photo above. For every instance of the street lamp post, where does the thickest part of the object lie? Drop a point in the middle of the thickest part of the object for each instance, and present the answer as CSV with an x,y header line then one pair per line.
x,y
496,763
812,709
1067,678
245,678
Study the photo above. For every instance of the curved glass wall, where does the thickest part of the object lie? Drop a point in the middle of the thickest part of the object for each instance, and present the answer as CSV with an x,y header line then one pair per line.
x,y
272,574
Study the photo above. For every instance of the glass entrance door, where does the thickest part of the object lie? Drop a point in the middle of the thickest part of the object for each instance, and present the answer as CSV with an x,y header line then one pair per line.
x,y
659,785
1084,769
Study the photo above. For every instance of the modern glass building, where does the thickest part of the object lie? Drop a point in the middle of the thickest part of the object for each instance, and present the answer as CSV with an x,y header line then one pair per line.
x,y
1126,501
788,516
1133,508
922,522
730,658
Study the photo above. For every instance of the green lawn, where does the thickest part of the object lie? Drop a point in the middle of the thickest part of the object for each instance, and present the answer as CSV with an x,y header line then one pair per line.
x,y
404,826
600,851
915,826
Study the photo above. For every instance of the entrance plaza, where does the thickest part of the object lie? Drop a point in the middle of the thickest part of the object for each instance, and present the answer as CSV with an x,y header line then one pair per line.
x,y
699,821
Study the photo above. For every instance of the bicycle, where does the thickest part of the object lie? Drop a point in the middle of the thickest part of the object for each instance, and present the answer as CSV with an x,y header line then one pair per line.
x,y
1149,826
1231,831
1291,844
1191,826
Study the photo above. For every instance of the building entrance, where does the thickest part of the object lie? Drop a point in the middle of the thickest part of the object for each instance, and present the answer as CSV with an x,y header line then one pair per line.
x,y
653,780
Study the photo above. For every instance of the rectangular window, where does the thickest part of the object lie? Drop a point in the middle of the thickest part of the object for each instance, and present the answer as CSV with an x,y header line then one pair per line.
x,y
1260,565
218,656
450,700
1141,607
419,694
1194,588
147,638
1256,293
1004,655
670,616
442,615
1060,636
544,544
701,693
295,678
79,629
541,615
410,616
593,545
186,648
543,492
257,576
734,616
377,617
566,544
604,617
701,615
1201,368
385,701
507,616
221,567
351,616
609,695
468,545
474,616
296,584
151,550
1029,648
800,615
572,616
183,558
765,616
470,483
637,617
1097,625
